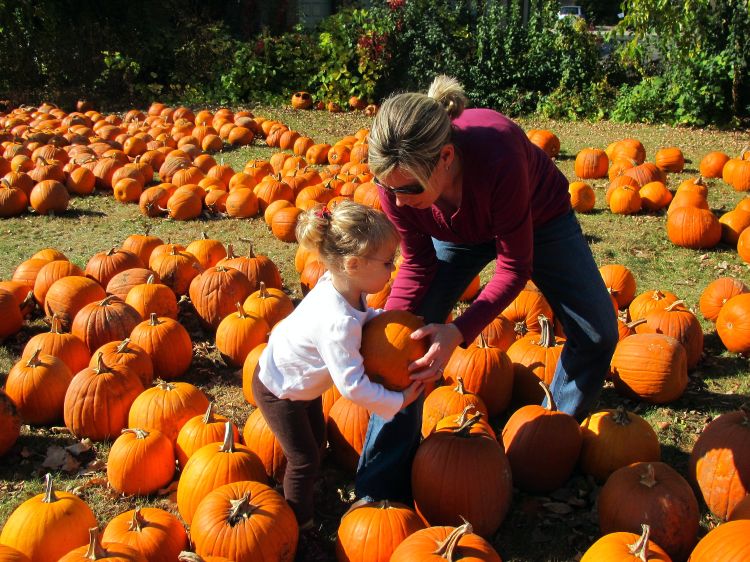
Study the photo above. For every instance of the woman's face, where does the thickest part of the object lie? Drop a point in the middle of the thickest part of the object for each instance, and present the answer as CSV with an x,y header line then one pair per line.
x,y
439,181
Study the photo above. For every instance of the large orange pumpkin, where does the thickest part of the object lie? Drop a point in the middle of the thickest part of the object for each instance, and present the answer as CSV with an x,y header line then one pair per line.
x,y
157,534
435,544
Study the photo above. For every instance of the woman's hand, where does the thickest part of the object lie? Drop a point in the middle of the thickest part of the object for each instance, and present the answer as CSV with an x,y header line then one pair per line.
x,y
444,338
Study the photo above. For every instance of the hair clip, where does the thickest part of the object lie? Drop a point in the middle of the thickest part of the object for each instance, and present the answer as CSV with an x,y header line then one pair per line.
x,y
323,213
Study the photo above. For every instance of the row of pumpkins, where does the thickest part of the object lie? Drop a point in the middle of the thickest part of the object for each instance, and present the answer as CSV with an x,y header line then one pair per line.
x,y
478,378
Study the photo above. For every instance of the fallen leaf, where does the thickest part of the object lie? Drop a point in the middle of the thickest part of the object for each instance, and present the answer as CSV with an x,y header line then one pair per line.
x,y
81,447
56,457
558,507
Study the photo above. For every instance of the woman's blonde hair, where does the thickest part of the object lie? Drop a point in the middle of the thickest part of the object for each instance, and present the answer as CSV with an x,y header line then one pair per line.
x,y
349,229
410,129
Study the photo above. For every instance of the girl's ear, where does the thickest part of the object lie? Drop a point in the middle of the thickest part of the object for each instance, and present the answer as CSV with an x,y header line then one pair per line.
x,y
352,263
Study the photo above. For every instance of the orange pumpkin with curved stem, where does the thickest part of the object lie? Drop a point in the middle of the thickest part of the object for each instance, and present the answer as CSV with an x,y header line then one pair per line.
x,y
655,492
212,466
273,305
167,342
125,472
676,321
448,400
177,268
499,333
238,334
167,406
536,428
127,356
626,547
649,300
48,525
63,345
96,550
152,297
616,438
157,534
526,309
207,251
201,430
100,322
487,371
37,385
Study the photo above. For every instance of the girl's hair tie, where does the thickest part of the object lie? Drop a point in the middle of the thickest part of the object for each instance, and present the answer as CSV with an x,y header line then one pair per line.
x,y
323,213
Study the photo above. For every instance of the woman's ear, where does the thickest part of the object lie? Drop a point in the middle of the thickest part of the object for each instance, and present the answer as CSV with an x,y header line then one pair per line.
x,y
447,154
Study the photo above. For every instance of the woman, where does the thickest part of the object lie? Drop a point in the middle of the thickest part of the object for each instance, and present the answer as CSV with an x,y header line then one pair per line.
x,y
465,187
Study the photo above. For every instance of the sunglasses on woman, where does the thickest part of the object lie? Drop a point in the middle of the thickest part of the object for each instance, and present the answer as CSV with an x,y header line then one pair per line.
x,y
411,189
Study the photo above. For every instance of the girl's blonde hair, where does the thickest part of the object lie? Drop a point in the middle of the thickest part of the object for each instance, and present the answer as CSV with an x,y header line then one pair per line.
x,y
349,229
410,129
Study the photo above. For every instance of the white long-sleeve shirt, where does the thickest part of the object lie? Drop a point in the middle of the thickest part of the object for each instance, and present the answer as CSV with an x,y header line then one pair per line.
x,y
317,345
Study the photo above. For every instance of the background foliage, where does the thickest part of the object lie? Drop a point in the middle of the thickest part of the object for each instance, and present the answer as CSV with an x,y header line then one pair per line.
x,y
680,62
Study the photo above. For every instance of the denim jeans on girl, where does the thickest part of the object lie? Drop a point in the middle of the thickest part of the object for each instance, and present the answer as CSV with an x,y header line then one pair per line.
x,y
565,272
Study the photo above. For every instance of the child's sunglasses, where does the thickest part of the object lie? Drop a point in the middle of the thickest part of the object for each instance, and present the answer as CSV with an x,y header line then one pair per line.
x,y
411,189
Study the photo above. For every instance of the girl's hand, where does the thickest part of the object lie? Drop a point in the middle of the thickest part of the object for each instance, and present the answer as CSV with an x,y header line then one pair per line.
x,y
444,338
412,392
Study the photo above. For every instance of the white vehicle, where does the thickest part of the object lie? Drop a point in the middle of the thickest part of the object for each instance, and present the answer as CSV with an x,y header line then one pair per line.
x,y
570,11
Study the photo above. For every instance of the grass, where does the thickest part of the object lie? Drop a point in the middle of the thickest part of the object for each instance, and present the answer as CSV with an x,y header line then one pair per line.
x,y
536,528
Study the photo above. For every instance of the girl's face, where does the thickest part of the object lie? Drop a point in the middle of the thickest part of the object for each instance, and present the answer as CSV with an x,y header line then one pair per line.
x,y
372,272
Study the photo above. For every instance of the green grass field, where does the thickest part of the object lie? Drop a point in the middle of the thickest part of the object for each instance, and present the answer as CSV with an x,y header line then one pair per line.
x,y
556,527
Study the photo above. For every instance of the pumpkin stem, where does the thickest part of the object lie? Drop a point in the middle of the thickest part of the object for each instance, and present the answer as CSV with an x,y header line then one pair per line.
x,y
28,301
111,251
465,413
34,360
151,280
49,490
241,509
621,416
448,546
173,250
640,547
635,323
209,415
123,347
186,556
106,300
153,319
547,338
165,385
138,522
464,429
674,305
230,252
521,329
95,551
648,478
263,293
100,366
460,386
138,432
204,236
56,326
241,311
657,295
228,445
551,406
482,341
250,253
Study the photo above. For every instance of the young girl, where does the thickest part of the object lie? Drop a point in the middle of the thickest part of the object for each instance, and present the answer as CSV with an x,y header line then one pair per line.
x,y
318,344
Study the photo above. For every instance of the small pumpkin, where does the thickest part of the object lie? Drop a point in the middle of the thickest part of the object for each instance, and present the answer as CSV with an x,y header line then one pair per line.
x,y
130,450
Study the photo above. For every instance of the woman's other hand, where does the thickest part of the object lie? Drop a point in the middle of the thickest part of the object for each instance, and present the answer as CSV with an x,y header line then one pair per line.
x,y
444,338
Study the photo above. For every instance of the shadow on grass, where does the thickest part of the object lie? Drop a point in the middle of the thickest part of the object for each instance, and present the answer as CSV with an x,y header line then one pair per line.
x,y
79,213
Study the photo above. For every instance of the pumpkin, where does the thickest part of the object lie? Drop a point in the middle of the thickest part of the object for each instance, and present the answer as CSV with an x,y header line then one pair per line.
x,y
628,149
102,266
616,438
249,367
692,227
582,197
70,294
65,346
27,271
207,251
153,201
542,445
655,196
273,305
153,297
448,400
49,197
375,529
121,283
725,543
647,301
653,492
620,283
284,223
256,268
499,333
347,427
743,245
10,314
310,275
110,319
732,224
166,407
650,367
126,459
546,140
237,335
215,293
733,324
51,272
127,356
736,172
96,550
388,350
717,293
646,173
301,100
185,204
48,525
591,163
624,200
720,461
712,164
10,425
245,522
626,547
452,469
669,159
10,554
214,465
157,534
98,400
487,371
167,342
435,544
242,203
201,430
526,309
741,509
37,385
259,438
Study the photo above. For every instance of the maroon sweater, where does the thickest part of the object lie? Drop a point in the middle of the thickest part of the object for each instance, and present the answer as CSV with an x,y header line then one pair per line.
x,y
510,187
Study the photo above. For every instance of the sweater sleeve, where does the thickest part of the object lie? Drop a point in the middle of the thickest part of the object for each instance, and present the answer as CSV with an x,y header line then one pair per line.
x,y
339,349
512,225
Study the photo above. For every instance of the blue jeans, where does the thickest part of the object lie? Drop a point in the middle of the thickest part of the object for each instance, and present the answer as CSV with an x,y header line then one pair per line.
x,y
565,272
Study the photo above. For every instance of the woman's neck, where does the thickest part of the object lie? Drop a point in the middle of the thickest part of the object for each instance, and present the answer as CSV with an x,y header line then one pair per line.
x,y
452,193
